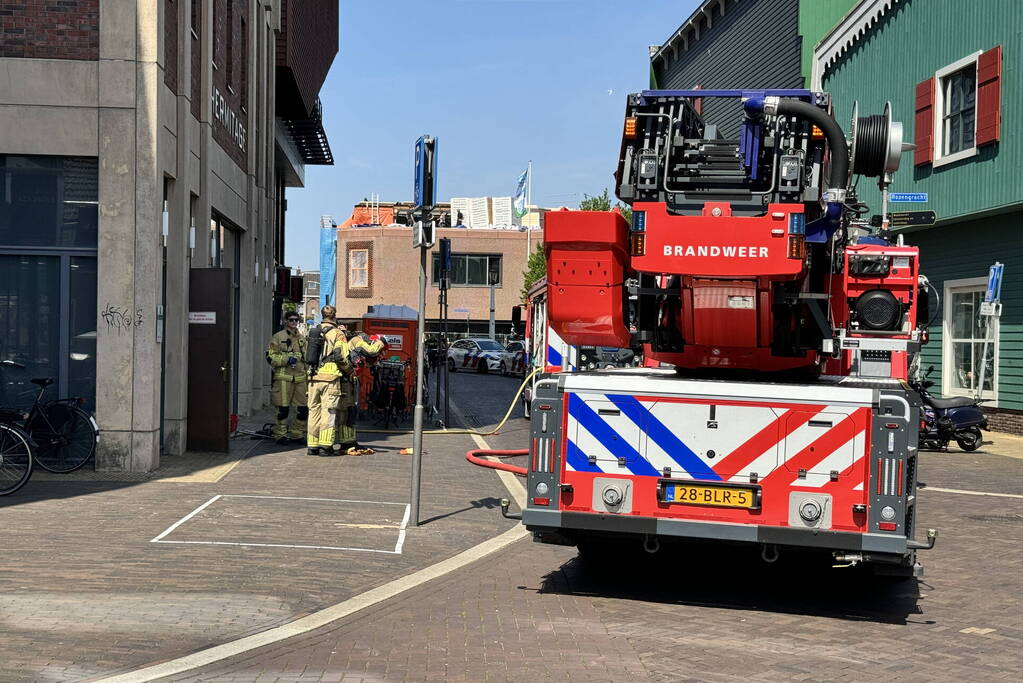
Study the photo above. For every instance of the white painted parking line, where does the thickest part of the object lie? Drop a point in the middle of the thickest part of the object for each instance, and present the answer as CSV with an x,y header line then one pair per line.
x,y
340,610
397,546
328,500
971,493
287,545
184,519
404,524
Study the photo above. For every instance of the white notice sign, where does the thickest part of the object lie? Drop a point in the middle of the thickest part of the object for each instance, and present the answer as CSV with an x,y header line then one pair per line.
x,y
202,317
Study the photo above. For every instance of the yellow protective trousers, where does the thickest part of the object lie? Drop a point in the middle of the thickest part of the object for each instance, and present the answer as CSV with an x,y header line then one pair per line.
x,y
324,404
290,392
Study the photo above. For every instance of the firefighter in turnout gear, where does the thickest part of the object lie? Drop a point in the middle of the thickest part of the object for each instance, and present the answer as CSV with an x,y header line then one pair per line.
x,y
325,383
286,355
360,344
332,395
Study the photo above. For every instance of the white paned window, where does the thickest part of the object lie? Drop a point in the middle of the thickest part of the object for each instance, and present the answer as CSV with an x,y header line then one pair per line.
x,y
955,111
358,268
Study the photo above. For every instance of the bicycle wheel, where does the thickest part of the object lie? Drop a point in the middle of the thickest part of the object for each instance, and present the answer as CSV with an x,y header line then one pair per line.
x,y
15,459
65,437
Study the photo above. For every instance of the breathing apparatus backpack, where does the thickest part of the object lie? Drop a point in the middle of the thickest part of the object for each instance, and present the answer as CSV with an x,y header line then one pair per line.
x,y
314,348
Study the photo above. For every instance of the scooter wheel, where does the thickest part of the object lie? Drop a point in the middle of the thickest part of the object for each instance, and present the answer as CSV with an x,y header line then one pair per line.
x,y
969,440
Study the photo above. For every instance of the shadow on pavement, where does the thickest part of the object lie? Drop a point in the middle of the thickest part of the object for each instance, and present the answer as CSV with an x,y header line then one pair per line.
x,y
736,578
489,503
191,467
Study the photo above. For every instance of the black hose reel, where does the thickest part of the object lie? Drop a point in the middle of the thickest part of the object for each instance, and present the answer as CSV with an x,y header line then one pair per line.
x,y
877,144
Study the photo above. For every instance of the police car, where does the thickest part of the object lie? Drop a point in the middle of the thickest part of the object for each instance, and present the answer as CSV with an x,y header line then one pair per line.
x,y
480,354
513,359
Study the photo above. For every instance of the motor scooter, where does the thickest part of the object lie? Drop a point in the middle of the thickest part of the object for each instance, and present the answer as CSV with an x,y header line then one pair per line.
x,y
943,419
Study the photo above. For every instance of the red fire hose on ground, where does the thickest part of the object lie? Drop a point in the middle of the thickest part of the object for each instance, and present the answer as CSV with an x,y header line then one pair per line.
x,y
476,457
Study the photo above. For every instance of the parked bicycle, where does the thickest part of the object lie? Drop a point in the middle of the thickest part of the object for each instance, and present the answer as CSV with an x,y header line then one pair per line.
x,y
16,459
62,435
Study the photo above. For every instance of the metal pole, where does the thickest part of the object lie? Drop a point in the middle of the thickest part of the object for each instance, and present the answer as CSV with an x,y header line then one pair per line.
x,y
529,184
983,355
447,383
884,201
440,356
491,328
417,425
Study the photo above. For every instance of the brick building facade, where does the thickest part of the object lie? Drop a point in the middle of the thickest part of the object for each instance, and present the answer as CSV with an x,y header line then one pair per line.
x,y
377,265
43,29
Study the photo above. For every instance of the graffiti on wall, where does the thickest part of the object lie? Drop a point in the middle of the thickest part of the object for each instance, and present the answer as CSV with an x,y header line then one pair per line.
x,y
121,319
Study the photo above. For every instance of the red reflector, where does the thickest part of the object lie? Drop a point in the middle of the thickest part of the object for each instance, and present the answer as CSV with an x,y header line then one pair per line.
x,y
541,501
544,407
891,425
887,526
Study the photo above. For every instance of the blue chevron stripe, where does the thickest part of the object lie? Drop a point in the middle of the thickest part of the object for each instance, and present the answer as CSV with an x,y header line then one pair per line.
x,y
553,355
602,431
578,460
664,437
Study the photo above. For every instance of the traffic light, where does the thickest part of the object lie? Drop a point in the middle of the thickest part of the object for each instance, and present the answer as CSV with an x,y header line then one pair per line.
x,y
445,262
445,253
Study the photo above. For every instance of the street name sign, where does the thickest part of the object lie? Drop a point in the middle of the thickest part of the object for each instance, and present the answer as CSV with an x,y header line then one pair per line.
x,y
908,197
905,219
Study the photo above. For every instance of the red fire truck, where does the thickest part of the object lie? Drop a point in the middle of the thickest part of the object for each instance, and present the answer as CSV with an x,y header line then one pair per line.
x,y
782,319
548,353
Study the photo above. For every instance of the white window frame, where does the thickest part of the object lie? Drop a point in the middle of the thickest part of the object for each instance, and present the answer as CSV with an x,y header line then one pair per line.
x,y
941,159
352,268
976,284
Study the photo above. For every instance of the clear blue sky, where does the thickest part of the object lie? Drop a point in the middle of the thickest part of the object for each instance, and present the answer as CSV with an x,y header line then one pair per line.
x,y
498,82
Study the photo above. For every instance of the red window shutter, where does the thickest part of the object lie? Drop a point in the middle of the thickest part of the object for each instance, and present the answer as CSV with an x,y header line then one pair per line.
x,y
989,96
923,124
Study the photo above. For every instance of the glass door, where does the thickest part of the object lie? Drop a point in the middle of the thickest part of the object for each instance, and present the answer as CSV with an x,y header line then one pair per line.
x,y
81,320
29,324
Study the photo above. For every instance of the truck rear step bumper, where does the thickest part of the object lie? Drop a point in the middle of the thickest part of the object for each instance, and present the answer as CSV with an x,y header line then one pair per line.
x,y
559,521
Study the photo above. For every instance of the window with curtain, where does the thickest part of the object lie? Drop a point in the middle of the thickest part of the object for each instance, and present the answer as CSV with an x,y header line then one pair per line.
x,y
358,268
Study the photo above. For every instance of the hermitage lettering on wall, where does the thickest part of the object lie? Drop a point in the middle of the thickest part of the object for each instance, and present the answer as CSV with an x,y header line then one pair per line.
x,y
225,116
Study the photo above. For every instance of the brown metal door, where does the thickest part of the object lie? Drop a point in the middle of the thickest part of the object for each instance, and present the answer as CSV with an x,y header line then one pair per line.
x,y
209,359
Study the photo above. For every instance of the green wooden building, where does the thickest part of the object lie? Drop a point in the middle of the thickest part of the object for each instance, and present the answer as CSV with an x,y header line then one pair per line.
x,y
952,71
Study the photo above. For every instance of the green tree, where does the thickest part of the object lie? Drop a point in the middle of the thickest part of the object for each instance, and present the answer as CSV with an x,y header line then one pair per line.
x,y
602,202
536,268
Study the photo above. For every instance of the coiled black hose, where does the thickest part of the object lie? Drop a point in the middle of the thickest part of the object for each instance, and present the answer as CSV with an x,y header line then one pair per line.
x,y
870,151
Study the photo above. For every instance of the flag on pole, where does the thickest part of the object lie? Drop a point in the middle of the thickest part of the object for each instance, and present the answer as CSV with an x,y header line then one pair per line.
x,y
520,194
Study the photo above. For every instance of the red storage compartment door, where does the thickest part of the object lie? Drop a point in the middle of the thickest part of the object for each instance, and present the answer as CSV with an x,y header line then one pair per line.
x,y
586,262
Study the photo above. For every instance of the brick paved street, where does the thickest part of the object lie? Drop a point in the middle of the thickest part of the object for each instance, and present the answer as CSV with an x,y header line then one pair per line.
x,y
83,591
90,595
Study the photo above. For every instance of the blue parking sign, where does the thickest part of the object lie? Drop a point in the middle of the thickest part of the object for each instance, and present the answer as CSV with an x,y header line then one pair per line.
x,y
994,283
